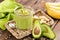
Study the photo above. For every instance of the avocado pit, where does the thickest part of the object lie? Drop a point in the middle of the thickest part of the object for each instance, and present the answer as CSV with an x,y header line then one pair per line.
x,y
36,30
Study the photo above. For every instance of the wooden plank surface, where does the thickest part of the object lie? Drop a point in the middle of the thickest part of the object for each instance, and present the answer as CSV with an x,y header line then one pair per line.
x,y
36,4
57,27
57,31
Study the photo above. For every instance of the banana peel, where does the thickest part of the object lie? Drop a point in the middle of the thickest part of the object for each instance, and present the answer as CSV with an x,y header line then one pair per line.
x,y
12,16
54,13
3,21
9,5
56,8
2,15
53,10
53,4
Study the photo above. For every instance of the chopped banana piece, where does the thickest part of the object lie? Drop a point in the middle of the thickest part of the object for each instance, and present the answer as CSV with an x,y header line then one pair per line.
x,y
43,17
42,21
36,17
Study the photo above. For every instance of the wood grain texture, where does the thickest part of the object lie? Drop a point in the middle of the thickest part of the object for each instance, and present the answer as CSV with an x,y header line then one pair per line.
x,y
36,4
57,1
57,31
57,27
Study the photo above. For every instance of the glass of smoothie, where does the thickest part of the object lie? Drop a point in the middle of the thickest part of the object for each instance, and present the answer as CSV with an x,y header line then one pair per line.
x,y
23,17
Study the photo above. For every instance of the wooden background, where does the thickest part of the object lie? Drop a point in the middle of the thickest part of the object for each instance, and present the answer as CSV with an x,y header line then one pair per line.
x,y
36,4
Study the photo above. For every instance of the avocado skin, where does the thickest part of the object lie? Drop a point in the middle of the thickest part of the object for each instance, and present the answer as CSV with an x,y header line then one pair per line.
x,y
37,22
48,32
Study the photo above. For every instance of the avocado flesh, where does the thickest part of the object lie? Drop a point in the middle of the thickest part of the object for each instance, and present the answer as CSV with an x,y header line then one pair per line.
x,y
48,32
37,24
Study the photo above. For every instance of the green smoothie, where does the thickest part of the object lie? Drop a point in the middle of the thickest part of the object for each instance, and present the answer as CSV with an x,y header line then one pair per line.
x,y
24,18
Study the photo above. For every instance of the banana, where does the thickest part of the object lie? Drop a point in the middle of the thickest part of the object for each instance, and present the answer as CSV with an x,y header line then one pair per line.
x,y
54,13
53,4
53,9
56,8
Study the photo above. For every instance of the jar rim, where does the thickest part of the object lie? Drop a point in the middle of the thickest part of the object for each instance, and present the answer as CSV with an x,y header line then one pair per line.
x,y
26,7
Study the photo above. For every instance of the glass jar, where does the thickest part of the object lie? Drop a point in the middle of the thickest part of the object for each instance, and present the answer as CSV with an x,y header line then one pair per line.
x,y
24,21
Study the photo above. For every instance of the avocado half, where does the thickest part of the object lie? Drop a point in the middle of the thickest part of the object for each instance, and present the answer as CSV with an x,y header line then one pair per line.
x,y
37,26
48,32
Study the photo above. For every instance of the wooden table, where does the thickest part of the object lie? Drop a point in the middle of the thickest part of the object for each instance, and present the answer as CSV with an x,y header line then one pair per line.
x,y
36,4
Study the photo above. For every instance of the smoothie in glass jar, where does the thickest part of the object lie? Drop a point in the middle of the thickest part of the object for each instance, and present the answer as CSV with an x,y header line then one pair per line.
x,y
23,18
